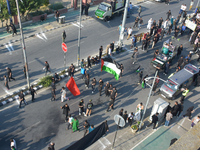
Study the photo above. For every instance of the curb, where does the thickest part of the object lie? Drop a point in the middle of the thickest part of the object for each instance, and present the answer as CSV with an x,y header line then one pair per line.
x,y
33,35
14,96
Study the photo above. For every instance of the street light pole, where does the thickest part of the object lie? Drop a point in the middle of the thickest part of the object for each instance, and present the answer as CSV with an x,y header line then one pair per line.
x,y
79,35
121,37
23,45
148,100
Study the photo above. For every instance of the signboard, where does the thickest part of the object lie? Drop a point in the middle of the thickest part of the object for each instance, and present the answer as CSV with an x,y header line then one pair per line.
x,y
119,4
190,25
64,47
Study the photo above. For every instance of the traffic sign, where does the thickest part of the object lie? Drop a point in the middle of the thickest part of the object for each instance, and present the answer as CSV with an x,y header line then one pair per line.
x,y
64,47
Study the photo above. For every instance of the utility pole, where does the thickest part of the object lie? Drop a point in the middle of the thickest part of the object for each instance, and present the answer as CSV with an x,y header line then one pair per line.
x,y
121,37
79,35
23,45
148,100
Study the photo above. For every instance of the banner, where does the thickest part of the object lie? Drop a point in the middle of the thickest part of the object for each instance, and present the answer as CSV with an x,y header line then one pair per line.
x,y
71,85
90,138
190,25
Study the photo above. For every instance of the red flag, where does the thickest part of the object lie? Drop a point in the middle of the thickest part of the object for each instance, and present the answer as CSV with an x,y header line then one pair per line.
x,y
71,85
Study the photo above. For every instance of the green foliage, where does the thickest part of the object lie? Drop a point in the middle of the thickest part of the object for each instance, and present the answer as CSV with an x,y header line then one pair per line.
x,y
4,11
56,6
134,127
45,81
63,72
46,2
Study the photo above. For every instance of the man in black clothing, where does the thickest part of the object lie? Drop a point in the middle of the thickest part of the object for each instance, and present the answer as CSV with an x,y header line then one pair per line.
x,y
121,112
53,91
107,88
168,14
87,6
89,63
154,120
51,146
6,82
9,73
179,50
125,116
113,93
180,61
82,9
160,22
175,109
100,52
47,68
110,106
21,98
176,32
100,86
81,107
112,46
32,93
180,108
89,108
140,77
66,111
122,70
86,125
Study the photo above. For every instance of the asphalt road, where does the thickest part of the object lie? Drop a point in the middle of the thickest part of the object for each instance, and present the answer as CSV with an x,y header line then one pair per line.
x,y
35,125
93,34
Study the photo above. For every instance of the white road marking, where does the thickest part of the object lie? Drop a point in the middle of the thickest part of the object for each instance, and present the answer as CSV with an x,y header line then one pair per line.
x,y
102,144
4,88
11,46
107,140
44,36
40,37
79,24
109,32
143,139
76,25
181,123
7,107
8,49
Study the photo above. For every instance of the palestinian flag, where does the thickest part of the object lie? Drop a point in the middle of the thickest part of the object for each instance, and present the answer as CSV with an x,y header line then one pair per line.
x,y
110,66
138,69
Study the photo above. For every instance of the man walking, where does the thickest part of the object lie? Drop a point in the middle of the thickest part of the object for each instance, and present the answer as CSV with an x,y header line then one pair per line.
x,y
70,118
139,10
130,118
6,82
129,32
93,84
110,106
63,36
89,62
47,68
189,112
180,108
135,55
13,144
168,118
21,98
53,91
175,109
154,120
100,52
81,107
33,92
89,108
66,111
63,95
179,50
86,125
9,73
100,86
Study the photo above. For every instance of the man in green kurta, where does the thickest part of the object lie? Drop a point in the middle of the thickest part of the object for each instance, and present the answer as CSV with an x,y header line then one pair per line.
x,y
75,124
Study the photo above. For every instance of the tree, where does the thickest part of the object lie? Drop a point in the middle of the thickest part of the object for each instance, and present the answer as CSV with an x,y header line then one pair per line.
x,y
29,5
4,12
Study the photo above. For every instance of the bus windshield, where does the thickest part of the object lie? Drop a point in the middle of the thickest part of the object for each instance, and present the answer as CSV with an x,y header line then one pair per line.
x,y
171,85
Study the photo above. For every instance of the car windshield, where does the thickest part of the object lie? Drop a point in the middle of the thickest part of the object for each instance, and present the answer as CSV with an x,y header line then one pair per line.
x,y
162,57
103,7
171,85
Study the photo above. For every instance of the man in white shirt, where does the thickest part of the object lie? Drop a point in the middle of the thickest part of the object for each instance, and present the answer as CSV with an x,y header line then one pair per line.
x,y
13,144
69,122
129,32
165,24
63,95
109,52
